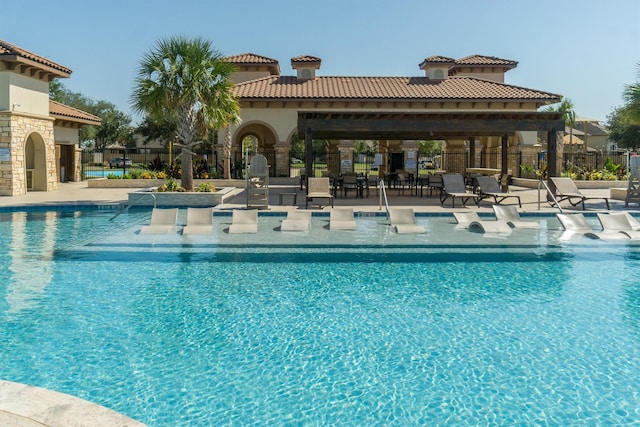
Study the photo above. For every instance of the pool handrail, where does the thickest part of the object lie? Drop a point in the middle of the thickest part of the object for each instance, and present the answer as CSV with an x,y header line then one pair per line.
x,y
383,196
550,193
126,209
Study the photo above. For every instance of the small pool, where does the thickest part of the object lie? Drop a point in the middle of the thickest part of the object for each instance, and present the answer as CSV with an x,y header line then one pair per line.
x,y
103,173
325,328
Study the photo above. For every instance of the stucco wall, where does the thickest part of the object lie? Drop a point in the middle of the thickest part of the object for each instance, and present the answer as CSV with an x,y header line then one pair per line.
x,y
66,135
30,95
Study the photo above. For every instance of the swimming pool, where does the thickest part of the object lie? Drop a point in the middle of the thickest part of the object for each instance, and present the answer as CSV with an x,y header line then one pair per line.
x,y
330,328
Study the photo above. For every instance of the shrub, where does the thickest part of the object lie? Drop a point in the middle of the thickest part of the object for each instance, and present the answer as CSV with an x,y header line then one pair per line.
x,y
161,175
205,187
113,176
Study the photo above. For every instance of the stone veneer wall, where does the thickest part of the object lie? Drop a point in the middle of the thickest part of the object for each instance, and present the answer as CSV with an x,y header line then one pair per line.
x,y
14,131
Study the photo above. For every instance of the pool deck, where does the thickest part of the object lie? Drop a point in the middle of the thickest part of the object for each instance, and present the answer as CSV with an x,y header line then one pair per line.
x,y
26,406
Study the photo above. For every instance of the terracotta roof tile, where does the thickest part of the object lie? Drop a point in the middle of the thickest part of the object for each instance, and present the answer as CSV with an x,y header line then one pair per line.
x,y
7,50
386,88
481,60
250,58
438,59
305,58
59,110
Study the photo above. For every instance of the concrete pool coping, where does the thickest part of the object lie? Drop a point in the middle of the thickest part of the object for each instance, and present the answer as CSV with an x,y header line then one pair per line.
x,y
28,406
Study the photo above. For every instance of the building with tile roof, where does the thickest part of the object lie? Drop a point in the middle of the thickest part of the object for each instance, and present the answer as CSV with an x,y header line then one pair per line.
x,y
39,139
274,105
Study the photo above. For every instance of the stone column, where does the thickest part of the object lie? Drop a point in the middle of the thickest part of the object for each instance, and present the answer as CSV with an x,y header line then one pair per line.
x,y
346,148
282,151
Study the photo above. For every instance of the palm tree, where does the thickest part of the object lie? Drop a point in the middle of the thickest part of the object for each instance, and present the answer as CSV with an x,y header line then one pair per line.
x,y
187,83
565,106
632,99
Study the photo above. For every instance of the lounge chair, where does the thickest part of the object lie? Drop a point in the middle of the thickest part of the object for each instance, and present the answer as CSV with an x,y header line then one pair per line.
x,y
473,222
618,223
319,188
577,224
244,221
163,221
199,221
342,219
566,190
403,221
488,186
453,186
511,216
296,221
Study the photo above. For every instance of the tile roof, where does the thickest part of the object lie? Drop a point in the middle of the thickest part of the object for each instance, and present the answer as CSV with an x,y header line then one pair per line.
x,y
386,88
436,59
9,52
250,58
305,58
62,111
481,60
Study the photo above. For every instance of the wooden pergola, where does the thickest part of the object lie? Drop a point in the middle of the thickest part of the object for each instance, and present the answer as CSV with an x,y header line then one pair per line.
x,y
421,126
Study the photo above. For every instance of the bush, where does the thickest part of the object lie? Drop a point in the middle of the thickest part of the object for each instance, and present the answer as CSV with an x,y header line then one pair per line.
x,y
205,187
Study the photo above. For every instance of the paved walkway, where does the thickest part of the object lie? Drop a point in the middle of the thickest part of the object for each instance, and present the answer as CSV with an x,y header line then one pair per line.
x,y
77,193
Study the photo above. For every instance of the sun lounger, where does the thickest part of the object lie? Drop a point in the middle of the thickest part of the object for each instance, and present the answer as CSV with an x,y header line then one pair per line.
x,y
199,221
511,216
453,186
618,223
244,221
473,222
296,221
577,224
163,221
490,187
319,188
566,189
403,221
342,219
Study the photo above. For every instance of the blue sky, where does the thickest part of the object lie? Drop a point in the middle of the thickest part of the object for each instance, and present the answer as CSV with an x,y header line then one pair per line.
x,y
585,50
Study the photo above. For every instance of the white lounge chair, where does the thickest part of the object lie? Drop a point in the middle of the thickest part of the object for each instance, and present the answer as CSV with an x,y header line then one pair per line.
x,y
319,188
511,216
342,219
199,221
473,222
453,186
567,190
618,223
577,224
244,221
296,221
403,221
163,221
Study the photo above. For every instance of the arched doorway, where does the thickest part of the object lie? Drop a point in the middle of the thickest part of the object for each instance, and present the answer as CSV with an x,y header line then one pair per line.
x,y
35,163
265,138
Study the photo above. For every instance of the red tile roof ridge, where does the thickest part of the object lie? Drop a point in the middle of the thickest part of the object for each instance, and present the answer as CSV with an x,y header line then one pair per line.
x,y
8,49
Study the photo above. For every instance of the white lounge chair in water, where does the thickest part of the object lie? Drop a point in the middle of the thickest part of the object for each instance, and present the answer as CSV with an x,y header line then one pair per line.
x,y
511,216
163,221
473,222
244,221
296,221
618,223
199,221
403,221
577,224
342,219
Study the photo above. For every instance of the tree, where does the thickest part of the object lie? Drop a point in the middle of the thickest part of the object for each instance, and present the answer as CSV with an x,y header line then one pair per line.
x,y
624,133
632,101
186,82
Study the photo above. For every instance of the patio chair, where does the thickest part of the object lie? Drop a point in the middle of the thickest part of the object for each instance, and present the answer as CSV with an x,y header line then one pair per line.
x,y
319,188
511,216
453,186
566,190
488,186
296,221
342,219
403,221
473,222
199,221
577,224
350,183
163,221
244,221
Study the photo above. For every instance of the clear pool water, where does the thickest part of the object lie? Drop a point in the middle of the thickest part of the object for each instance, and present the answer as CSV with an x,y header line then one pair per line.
x,y
326,328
